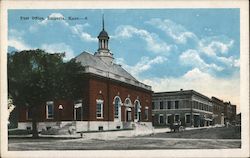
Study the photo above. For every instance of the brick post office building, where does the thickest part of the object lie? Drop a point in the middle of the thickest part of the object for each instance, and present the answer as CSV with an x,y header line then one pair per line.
x,y
189,107
112,98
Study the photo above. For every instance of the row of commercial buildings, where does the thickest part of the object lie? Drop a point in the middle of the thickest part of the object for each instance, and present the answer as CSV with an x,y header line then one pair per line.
x,y
113,99
191,109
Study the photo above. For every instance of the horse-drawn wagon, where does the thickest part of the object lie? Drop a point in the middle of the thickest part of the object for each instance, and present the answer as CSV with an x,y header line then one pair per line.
x,y
176,127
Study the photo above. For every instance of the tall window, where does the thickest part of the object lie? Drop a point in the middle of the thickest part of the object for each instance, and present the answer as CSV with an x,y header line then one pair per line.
x,y
161,104
153,105
176,117
176,104
146,113
99,108
50,109
188,118
169,119
161,119
169,104
137,110
29,114
117,106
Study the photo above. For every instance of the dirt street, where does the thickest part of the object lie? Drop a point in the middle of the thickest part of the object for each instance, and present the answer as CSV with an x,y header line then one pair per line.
x,y
214,138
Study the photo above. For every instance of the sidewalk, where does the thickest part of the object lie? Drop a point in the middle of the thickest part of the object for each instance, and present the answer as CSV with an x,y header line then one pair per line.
x,y
75,136
107,135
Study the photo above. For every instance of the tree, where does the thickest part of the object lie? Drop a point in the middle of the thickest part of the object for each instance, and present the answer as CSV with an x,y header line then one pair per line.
x,y
11,112
35,76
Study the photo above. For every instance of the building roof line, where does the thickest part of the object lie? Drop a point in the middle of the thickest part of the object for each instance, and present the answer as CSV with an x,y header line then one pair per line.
x,y
185,92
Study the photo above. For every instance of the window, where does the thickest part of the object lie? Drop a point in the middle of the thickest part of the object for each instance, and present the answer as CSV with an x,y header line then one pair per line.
x,y
99,108
137,110
146,113
161,119
188,118
29,114
117,105
168,119
196,106
176,104
161,104
50,109
202,107
153,105
78,110
100,128
169,104
176,118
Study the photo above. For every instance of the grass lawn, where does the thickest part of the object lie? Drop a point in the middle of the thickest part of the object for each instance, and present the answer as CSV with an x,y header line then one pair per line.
x,y
19,132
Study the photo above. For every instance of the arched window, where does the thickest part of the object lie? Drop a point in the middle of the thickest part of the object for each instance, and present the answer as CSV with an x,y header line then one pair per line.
x,y
137,111
117,107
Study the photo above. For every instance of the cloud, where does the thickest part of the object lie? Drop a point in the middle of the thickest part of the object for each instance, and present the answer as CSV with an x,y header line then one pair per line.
x,y
154,43
53,17
18,45
16,41
215,47
59,48
230,61
177,32
227,89
77,29
143,65
191,57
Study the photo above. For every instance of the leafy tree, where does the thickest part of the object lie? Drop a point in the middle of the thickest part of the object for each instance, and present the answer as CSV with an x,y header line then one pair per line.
x,y
11,113
35,76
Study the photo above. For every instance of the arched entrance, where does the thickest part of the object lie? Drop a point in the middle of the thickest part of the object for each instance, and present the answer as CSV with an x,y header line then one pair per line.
x,y
128,111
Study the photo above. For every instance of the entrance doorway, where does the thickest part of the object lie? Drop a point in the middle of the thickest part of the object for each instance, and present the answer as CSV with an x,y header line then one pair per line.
x,y
128,115
196,120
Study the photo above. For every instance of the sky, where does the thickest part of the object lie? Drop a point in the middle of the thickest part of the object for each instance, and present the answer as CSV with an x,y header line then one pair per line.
x,y
168,49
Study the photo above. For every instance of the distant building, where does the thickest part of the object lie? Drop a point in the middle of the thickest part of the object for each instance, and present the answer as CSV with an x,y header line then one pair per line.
x,y
238,119
112,99
188,106
230,112
218,111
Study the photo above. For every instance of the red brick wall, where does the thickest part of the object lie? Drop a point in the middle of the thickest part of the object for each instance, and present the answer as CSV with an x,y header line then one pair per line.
x,y
91,91
66,114
116,89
